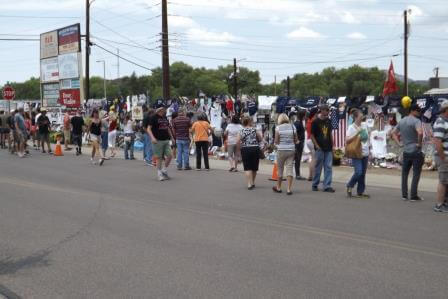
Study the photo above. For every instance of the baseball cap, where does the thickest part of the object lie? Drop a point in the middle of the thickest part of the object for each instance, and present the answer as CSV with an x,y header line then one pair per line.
x,y
416,107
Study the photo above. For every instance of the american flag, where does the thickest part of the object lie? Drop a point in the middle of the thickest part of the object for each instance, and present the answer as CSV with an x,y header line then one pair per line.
x,y
339,126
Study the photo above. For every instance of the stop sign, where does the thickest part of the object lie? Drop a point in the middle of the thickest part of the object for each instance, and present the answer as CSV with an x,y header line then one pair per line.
x,y
9,93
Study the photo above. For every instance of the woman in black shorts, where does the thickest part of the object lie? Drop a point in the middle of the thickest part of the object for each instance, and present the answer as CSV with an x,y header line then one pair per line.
x,y
95,137
250,139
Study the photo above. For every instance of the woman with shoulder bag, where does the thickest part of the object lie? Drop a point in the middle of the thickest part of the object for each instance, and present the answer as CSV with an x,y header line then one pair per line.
x,y
249,140
357,148
231,135
285,139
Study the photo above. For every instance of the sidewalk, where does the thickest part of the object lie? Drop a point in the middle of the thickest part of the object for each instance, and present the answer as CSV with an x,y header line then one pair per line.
x,y
377,177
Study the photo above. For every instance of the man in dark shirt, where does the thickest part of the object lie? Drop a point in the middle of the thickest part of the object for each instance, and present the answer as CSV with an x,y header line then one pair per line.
x,y
44,130
77,124
160,133
298,124
323,144
181,127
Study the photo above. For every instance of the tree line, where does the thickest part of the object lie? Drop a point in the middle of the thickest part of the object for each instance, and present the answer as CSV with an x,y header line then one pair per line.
x,y
190,81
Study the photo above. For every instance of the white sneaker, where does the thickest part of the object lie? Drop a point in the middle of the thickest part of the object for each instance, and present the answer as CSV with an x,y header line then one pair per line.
x,y
161,177
165,174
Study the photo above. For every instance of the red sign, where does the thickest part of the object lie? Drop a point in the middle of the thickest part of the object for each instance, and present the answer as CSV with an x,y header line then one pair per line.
x,y
70,98
9,93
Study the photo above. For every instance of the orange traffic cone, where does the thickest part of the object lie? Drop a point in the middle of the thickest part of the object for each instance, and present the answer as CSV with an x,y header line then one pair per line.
x,y
274,176
58,149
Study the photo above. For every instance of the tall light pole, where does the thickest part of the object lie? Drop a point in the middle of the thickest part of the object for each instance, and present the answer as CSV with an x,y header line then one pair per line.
x,y
406,36
87,79
104,77
235,79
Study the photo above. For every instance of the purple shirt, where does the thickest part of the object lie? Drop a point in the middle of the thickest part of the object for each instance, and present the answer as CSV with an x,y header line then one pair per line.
x,y
181,125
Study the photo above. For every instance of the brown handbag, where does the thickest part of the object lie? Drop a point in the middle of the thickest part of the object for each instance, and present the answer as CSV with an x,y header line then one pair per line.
x,y
353,150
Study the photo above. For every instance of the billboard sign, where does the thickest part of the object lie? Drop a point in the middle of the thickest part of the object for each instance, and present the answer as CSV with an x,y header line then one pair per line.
x,y
70,98
49,44
69,39
68,66
70,84
61,67
49,70
50,94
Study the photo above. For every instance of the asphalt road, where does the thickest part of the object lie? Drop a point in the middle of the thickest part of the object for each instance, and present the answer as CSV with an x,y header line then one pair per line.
x,y
72,230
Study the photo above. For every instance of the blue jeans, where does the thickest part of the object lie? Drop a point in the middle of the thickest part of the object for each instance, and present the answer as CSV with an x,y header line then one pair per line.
x,y
183,153
325,160
104,140
359,176
147,147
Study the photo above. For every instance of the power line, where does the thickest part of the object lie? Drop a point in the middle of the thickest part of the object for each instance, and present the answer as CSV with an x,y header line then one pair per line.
x,y
19,39
124,36
125,59
37,17
125,44
270,9
130,55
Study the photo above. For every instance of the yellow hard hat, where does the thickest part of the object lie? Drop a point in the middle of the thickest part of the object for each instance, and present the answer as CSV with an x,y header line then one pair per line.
x,y
406,102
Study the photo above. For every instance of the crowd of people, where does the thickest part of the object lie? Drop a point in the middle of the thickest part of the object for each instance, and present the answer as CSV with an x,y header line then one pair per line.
x,y
183,132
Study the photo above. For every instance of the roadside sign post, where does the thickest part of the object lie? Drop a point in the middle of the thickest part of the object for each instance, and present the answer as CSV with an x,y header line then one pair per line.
x,y
9,94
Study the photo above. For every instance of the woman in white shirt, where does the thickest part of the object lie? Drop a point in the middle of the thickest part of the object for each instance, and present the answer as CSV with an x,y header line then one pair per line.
x,y
129,138
285,139
358,128
231,135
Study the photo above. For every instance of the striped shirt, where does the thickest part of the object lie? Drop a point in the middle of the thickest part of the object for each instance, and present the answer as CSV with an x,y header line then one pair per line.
x,y
441,132
286,133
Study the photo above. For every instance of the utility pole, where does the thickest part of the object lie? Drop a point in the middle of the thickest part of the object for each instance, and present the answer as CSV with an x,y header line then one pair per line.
x,y
406,35
87,79
235,82
165,52
288,92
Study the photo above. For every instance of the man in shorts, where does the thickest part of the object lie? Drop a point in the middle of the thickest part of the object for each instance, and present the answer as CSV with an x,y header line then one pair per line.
x,y
67,136
160,133
441,157
43,123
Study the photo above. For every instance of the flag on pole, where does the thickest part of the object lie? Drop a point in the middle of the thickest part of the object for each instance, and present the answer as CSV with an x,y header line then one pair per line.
x,y
390,86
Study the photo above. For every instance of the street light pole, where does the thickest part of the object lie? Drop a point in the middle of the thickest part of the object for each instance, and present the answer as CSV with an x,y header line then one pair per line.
x,y
104,77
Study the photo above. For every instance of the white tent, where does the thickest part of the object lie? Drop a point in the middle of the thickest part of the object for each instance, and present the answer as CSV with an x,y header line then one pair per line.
x,y
436,91
265,102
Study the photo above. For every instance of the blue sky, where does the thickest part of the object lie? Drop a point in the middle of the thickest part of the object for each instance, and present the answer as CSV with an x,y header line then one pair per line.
x,y
276,37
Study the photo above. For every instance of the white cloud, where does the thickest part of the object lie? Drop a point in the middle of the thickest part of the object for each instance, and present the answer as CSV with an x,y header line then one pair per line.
x,y
304,33
181,22
349,18
356,35
210,38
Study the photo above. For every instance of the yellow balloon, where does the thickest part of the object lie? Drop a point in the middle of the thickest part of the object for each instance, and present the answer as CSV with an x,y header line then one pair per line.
x,y
406,102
